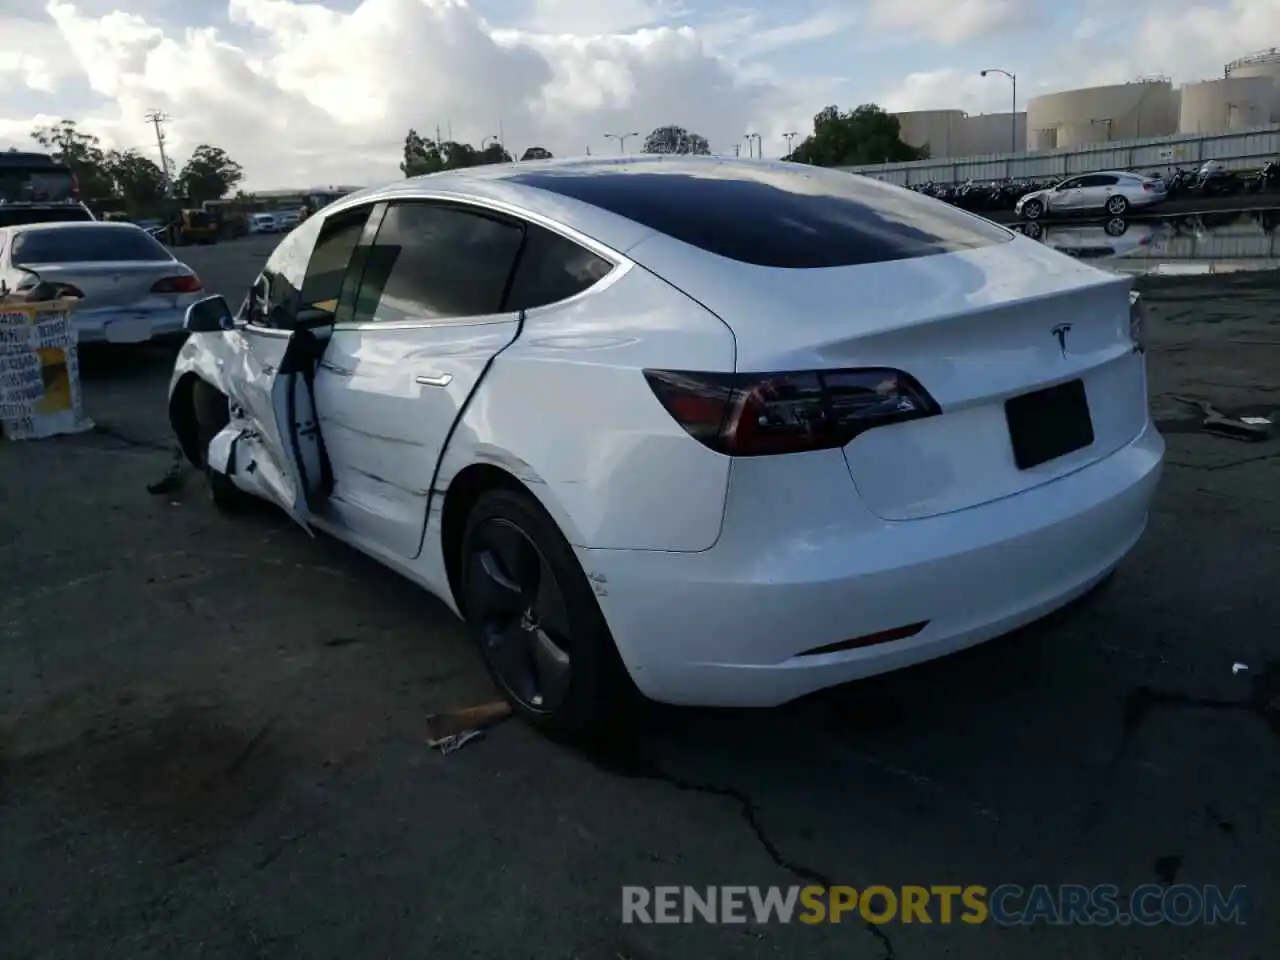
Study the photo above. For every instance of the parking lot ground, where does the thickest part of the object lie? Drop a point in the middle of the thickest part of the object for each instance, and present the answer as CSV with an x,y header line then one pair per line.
x,y
213,730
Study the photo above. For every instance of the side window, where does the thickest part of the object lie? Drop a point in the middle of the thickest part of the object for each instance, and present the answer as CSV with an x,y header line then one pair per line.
x,y
433,262
328,266
274,299
552,268
1070,184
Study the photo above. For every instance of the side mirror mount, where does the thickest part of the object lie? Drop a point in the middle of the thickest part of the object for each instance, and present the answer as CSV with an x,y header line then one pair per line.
x,y
210,315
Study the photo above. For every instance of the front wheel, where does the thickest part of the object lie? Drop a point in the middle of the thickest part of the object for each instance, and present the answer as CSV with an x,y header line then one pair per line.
x,y
1033,209
1117,205
535,616
211,415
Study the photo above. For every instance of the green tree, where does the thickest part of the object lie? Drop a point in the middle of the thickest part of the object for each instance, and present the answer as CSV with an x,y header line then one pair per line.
x,y
536,153
864,135
82,152
423,155
209,175
672,139
137,183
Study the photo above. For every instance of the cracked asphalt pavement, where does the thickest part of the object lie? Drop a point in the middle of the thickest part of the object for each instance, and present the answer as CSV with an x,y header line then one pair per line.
x,y
213,731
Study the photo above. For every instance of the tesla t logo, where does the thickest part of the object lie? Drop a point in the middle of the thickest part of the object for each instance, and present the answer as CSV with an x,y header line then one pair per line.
x,y
1060,334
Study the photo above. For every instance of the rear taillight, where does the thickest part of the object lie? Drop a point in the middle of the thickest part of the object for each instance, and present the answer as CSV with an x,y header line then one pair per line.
x,y
756,414
187,283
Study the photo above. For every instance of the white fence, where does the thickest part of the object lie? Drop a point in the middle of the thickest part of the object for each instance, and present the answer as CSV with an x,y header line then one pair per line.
x,y
1239,150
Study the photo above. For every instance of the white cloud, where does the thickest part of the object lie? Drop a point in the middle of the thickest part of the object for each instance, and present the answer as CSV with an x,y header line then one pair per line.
x,y
594,17
956,21
308,94
32,54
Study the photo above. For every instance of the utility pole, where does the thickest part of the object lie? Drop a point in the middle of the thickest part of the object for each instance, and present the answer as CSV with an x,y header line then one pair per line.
x,y
737,150
155,118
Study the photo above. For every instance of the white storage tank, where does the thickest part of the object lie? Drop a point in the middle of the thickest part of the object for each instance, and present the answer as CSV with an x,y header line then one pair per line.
x,y
942,131
1124,111
1044,139
995,133
1265,64
1232,103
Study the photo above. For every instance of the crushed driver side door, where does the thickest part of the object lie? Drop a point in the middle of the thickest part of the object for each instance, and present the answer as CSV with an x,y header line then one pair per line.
x,y
272,446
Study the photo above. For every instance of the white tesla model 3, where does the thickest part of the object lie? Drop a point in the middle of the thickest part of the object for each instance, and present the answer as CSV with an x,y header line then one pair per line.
x,y
730,432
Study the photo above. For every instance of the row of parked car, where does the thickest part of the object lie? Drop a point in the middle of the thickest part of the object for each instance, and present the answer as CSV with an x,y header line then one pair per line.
x,y
1114,192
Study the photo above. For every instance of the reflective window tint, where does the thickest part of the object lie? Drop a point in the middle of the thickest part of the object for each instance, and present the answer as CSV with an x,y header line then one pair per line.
x,y
552,268
332,257
771,215
431,261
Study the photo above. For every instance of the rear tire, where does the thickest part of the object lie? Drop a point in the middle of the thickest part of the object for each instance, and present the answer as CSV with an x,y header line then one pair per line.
x,y
540,631
1117,206
212,414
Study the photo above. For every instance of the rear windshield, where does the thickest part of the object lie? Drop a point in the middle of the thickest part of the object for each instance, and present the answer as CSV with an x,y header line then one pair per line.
x,y
86,245
16,216
49,185
771,217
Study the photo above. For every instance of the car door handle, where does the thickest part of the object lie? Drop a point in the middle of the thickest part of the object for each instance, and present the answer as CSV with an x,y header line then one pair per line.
x,y
434,380
340,371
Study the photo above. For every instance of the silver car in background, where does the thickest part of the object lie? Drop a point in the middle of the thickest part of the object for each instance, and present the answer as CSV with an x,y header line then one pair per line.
x,y
1110,192
129,286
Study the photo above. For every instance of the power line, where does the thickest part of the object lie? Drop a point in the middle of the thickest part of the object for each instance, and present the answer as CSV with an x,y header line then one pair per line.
x,y
156,118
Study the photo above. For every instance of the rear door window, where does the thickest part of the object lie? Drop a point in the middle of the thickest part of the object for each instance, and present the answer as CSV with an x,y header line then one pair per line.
x,y
772,217
86,245
552,268
433,261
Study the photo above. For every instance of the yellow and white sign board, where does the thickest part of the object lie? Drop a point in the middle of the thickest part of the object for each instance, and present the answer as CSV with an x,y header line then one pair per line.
x,y
39,371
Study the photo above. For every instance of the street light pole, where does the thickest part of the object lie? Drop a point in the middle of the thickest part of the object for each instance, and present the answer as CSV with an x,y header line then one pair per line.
x,y
1013,113
754,138
622,139
789,137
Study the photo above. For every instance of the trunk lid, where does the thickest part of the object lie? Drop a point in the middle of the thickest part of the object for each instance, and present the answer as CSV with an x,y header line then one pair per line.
x,y
124,285
975,328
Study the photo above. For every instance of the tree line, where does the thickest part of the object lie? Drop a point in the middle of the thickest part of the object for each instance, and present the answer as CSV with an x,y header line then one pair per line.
x,y
864,135
128,181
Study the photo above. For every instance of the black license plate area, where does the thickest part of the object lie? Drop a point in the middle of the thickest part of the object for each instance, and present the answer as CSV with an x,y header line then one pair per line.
x,y
1049,423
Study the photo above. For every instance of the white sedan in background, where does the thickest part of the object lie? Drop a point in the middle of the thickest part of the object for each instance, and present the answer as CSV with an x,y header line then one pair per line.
x,y
1110,192
130,288
729,432
263,223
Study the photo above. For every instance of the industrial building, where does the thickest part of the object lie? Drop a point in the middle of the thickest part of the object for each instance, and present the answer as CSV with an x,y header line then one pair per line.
x,y
954,133
1124,111
1246,95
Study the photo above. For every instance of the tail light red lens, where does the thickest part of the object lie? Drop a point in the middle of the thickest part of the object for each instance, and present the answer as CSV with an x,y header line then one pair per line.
x,y
187,283
757,414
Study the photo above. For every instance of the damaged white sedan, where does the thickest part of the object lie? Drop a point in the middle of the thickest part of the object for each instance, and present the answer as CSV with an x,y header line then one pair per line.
x,y
724,432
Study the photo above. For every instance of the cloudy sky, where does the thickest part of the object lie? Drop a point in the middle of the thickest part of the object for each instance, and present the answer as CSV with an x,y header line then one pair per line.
x,y
305,92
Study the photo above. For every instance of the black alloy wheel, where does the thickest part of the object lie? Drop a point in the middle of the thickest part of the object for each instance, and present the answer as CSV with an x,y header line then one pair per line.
x,y
539,628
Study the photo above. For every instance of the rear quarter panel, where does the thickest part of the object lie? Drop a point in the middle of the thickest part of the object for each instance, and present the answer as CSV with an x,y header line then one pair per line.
x,y
566,409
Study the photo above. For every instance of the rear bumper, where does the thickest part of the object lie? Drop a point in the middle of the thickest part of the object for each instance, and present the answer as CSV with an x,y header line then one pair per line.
x,y
727,627
95,326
